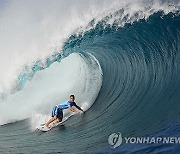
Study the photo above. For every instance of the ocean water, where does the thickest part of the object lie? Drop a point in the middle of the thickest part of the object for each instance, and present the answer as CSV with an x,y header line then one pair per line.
x,y
120,59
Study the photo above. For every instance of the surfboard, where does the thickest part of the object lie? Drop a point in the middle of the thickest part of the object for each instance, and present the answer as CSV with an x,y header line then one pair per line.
x,y
52,125
45,129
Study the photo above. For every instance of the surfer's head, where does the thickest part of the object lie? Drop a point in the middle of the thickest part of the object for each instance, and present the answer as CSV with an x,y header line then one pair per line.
x,y
72,98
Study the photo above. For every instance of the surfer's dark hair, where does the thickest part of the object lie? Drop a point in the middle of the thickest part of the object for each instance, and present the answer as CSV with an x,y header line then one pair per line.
x,y
72,96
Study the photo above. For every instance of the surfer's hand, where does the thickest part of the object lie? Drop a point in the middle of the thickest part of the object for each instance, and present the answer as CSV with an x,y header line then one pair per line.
x,y
82,112
76,112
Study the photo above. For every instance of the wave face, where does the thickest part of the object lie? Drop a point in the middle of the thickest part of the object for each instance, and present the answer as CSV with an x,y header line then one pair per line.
x,y
124,70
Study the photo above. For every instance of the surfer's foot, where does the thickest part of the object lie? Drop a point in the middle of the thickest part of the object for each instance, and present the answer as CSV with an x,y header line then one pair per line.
x,y
46,126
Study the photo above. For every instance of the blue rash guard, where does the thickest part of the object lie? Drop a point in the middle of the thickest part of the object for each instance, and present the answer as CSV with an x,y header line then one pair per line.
x,y
58,109
65,105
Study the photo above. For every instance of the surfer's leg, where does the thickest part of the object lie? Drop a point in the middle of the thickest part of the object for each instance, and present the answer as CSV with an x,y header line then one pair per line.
x,y
53,115
59,120
51,120
59,116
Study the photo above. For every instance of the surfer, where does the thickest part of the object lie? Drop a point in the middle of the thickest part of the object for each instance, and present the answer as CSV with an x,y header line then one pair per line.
x,y
57,111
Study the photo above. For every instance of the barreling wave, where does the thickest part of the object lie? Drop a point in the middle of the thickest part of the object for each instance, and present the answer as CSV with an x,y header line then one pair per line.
x,y
141,73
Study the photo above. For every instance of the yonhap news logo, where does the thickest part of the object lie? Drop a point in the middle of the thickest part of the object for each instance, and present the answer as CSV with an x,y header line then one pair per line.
x,y
116,139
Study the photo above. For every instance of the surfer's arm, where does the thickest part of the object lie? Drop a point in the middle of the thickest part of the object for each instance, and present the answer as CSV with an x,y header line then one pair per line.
x,y
79,108
70,108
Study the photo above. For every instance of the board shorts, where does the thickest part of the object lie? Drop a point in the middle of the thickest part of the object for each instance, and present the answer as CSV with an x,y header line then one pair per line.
x,y
57,112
